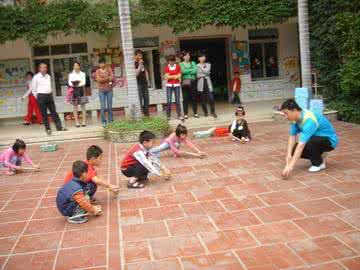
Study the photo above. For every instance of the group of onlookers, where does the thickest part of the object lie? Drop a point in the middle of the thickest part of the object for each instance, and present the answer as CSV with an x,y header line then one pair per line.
x,y
192,79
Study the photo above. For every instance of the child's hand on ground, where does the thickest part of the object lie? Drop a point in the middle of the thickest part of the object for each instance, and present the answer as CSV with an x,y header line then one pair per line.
x,y
166,173
114,189
202,155
37,167
98,210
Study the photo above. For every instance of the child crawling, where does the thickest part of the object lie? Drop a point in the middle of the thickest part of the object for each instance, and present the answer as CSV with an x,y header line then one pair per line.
x,y
174,141
139,162
239,129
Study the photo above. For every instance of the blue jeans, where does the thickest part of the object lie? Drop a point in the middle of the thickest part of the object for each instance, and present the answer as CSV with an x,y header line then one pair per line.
x,y
162,147
106,99
169,92
90,189
15,160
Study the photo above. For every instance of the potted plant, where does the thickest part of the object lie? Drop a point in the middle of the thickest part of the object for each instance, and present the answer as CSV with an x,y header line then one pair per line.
x,y
127,130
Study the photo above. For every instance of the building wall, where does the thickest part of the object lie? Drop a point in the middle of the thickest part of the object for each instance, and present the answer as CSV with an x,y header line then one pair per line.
x,y
251,91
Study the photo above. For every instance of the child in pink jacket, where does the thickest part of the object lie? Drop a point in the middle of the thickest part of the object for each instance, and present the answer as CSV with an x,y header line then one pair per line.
x,y
11,159
174,141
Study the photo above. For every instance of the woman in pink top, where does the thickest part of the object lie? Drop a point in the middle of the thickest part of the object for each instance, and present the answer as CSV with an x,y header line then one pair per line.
x,y
173,143
11,159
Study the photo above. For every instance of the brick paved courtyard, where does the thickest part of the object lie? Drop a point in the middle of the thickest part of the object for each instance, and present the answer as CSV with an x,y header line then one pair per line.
x,y
230,211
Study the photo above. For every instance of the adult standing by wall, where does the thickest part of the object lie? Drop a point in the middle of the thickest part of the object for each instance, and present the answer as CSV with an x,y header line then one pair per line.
x,y
173,78
188,83
104,78
316,136
142,77
205,86
41,87
77,80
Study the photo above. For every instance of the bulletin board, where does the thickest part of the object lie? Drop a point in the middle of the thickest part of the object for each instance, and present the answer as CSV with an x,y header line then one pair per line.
x,y
12,72
240,56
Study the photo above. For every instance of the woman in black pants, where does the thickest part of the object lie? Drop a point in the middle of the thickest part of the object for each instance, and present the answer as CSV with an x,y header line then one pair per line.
x,y
204,85
188,84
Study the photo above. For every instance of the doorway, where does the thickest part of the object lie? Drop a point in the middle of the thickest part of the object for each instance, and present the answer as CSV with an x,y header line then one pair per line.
x,y
216,54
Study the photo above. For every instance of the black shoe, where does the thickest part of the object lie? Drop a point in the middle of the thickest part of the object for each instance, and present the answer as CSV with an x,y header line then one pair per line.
x,y
206,114
77,126
26,124
48,131
214,115
62,129
83,125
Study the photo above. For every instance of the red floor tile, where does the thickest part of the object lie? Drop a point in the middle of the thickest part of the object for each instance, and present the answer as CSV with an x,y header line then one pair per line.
x,y
39,242
280,197
190,225
83,257
212,194
352,264
190,185
226,240
224,182
136,252
212,261
6,245
284,185
242,203
176,198
162,213
14,216
234,220
172,264
277,232
137,203
318,207
6,196
130,217
45,225
11,229
88,237
346,187
202,208
351,216
269,257
326,266
22,204
316,192
38,261
28,194
352,239
47,212
176,247
322,225
144,231
277,213
248,189
351,201
320,250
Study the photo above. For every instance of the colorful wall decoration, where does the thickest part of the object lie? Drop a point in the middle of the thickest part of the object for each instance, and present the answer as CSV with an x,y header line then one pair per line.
x,y
240,57
12,72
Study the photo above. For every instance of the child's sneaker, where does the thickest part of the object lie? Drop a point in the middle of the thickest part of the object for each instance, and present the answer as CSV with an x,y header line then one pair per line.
x,y
313,169
77,219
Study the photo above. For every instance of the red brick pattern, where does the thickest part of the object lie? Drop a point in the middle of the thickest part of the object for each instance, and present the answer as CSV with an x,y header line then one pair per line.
x,y
231,211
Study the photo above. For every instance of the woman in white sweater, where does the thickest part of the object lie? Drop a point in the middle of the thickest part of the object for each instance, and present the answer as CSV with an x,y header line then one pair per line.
x,y
77,80
205,85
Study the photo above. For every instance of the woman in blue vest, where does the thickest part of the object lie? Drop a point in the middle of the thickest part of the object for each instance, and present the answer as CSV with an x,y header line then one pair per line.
x,y
315,133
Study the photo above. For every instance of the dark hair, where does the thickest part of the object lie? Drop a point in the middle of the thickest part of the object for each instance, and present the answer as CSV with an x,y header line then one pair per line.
x,y
78,168
236,72
77,62
201,54
19,144
171,58
146,136
102,60
43,63
181,129
290,105
241,110
93,151
138,51
183,53
29,73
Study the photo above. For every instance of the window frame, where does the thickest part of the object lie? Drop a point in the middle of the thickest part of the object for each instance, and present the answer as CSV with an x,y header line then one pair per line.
x,y
262,42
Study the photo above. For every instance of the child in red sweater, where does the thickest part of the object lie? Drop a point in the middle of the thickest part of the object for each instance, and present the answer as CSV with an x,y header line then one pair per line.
x,y
236,88
173,78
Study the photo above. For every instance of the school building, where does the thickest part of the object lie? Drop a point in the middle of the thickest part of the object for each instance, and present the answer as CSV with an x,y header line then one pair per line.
x,y
267,59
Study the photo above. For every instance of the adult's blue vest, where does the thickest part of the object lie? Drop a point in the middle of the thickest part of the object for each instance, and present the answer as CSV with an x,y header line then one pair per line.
x,y
64,200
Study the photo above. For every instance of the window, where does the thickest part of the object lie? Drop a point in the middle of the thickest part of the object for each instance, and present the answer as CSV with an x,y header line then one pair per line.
x,y
42,51
79,48
263,53
60,49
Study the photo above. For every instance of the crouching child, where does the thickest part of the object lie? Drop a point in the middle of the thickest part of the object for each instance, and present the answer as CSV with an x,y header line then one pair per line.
x,y
139,162
72,201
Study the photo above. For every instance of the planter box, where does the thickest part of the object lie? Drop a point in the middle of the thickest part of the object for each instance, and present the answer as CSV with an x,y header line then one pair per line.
x,y
131,136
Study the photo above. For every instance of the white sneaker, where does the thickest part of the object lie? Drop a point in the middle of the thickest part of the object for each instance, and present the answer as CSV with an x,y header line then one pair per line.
x,y
317,168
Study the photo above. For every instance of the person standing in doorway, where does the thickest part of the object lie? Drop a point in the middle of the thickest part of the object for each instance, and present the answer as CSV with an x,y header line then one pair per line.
x,y
205,86
142,77
236,87
41,87
32,103
173,78
188,84
104,78
77,80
